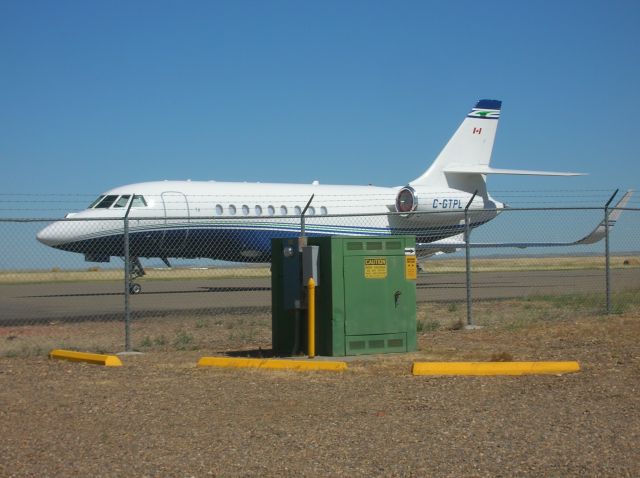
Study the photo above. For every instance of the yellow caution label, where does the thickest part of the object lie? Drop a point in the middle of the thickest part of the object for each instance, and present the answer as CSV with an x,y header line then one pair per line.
x,y
375,268
410,267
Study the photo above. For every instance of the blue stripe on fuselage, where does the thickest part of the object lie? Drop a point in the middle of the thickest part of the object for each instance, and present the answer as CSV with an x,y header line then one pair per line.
x,y
233,244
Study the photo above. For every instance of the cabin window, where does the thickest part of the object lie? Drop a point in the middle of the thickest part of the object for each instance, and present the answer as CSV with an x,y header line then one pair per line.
x,y
138,201
258,210
122,201
245,210
106,202
271,211
219,210
93,204
323,211
311,211
297,211
232,209
283,210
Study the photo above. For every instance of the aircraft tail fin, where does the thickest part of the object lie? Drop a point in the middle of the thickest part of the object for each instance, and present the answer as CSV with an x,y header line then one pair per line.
x,y
465,160
470,147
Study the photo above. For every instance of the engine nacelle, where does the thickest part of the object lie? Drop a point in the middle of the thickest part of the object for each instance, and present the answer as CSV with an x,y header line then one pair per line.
x,y
406,200
449,205
413,199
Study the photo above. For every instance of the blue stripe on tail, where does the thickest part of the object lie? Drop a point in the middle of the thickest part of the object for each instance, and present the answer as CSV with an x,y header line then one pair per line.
x,y
489,104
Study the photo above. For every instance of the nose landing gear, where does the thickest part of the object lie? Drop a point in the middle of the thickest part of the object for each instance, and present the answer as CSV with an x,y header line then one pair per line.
x,y
135,271
135,288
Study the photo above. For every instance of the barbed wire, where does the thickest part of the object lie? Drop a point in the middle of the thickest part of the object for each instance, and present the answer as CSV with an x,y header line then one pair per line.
x,y
75,202
560,192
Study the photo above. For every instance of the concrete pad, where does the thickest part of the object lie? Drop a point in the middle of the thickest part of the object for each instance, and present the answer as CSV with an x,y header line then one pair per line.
x,y
280,364
97,359
493,368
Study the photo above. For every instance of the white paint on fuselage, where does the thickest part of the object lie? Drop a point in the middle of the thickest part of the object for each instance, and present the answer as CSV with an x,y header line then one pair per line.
x,y
235,205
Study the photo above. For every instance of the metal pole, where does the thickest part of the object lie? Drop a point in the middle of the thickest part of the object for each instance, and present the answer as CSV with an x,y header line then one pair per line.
x,y
302,241
304,211
607,261
127,280
311,326
467,249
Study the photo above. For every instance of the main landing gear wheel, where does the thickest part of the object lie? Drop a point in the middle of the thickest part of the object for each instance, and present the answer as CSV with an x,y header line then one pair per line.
x,y
135,271
135,288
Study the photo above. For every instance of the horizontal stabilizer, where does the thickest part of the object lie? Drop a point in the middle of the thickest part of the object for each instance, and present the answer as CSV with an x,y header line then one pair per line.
x,y
481,169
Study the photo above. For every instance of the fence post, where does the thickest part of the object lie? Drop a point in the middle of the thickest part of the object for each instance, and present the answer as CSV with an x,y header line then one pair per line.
x,y
302,241
304,211
467,257
127,280
607,259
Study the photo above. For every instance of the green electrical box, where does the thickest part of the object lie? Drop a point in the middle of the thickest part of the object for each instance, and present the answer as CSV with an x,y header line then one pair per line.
x,y
365,298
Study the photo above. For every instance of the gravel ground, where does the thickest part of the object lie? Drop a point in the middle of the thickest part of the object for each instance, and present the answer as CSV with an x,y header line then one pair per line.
x,y
159,415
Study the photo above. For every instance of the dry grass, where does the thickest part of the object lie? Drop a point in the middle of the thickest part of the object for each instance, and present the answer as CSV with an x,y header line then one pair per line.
x,y
530,263
231,332
217,334
430,266
93,274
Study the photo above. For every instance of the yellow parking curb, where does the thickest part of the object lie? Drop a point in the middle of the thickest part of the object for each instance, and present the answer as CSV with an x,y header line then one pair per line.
x,y
493,368
99,359
271,364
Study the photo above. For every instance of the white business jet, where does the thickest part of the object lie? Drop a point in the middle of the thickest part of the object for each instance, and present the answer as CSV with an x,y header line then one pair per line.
x,y
234,221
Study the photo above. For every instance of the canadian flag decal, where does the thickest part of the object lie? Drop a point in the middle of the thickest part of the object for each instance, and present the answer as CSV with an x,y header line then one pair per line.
x,y
477,130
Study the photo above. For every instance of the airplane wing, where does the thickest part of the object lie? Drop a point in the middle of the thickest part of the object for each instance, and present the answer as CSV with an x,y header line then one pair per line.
x,y
457,242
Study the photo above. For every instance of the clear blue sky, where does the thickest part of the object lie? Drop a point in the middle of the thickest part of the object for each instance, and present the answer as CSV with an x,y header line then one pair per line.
x,y
100,94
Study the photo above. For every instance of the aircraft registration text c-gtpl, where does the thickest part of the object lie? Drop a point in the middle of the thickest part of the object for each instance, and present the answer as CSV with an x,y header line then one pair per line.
x,y
447,204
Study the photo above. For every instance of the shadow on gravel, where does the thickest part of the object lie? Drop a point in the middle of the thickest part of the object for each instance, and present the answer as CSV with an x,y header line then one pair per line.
x,y
254,353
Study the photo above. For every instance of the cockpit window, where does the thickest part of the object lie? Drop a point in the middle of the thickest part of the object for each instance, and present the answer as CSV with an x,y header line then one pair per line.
x,y
106,202
139,201
122,201
93,204
112,200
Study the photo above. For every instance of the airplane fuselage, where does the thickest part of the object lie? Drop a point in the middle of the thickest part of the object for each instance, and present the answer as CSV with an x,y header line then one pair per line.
x,y
236,221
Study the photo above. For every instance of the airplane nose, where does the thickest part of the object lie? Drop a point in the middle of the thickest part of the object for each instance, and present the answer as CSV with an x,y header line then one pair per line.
x,y
44,236
52,235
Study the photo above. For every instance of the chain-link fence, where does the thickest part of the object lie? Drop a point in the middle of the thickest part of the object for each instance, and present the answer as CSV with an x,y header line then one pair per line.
x,y
204,282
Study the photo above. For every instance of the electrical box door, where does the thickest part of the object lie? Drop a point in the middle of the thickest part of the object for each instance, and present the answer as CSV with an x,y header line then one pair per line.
x,y
380,298
375,302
